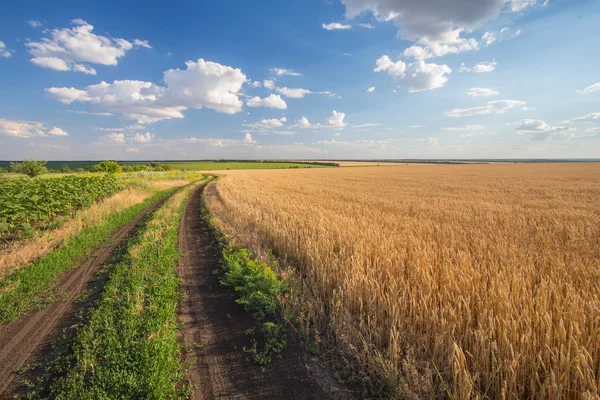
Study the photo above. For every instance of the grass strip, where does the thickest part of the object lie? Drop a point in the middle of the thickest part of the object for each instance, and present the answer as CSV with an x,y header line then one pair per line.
x,y
128,348
33,287
258,288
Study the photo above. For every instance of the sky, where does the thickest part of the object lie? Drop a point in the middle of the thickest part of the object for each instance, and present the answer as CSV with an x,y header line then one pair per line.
x,y
310,79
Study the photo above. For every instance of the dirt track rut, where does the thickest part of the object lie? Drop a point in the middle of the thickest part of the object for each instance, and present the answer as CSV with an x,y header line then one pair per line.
x,y
27,341
214,327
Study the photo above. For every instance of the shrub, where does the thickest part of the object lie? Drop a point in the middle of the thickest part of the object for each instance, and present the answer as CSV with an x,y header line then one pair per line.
x,y
30,167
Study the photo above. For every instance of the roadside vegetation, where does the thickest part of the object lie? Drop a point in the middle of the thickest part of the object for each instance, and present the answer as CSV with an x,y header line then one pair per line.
x,y
27,204
259,289
468,281
128,346
33,286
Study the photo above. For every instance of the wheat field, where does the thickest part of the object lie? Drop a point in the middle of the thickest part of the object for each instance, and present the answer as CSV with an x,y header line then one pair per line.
x,y
461,281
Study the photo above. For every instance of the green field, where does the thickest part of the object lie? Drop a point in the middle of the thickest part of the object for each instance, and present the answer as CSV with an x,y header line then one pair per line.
x,y
189,165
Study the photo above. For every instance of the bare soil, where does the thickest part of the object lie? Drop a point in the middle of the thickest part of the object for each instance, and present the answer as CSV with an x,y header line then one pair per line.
x,y
27,343
214,333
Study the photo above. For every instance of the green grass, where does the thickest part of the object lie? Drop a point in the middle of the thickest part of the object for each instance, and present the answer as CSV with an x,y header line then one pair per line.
x,y
34,286
128,347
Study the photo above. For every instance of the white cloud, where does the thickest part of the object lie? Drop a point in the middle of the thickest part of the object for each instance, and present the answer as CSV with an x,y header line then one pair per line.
x,y
432,141
269,84
540,130
586,118
431,19
367,125
77,45
482,92
26,129
55,63
98,114
283,71
367,26
335,26
132,150
142,138
271,101
142,43
35,24
492,107
201,84
593,88
114,137
464,68
4,51
285,133
248,138
335,121
296,93
453,44
371,89
415,126
488,38
267,123
466,128
487,66
255,84
418,75
57,132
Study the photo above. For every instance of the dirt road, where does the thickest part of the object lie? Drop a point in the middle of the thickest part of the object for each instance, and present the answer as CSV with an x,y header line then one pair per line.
x,y
214,333
28,340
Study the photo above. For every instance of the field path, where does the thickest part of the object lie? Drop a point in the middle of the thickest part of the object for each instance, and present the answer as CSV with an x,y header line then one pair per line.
x,y
28,340
214,333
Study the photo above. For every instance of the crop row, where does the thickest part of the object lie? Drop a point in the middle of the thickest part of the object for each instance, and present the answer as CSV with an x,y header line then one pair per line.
x,y
26,203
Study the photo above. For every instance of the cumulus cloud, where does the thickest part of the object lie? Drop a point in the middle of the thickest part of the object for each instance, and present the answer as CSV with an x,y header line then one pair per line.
x,y
4,51
335,121
366,26
432,141
453,44
371,89
593,88
65,49
492,107
142,137
26,129
271,101
418,76
433,20
132,150
283,71
488,38
335,26
269,84
201,84
540,130
57,132
482,92
114,137
487,66
267,124
35,24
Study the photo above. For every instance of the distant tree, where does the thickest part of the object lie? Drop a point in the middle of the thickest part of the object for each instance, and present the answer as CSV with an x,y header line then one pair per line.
x,y
65,169
3,170
29,167
80,170
112,167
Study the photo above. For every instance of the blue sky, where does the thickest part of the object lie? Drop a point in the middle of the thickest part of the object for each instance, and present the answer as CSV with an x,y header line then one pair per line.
x,y
336,79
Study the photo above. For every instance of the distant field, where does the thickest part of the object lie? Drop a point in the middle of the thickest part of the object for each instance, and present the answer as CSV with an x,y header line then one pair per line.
x,y
189,165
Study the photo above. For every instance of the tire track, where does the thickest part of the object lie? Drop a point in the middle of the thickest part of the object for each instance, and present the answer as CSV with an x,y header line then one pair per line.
x,y
26,340
214,333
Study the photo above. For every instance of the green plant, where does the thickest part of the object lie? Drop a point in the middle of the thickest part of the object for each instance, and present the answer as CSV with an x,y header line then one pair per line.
x,y
65,169
29,167
112,167
274,341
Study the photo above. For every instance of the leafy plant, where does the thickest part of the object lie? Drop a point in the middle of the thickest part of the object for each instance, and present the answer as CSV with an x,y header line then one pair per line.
x,y
29,167
111,167
274,342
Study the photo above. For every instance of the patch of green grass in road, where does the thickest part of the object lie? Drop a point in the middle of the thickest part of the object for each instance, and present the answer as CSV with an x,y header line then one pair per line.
x,y
220,166
128,347
34,286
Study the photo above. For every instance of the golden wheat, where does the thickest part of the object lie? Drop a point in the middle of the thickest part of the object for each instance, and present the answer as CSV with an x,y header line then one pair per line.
x,y
475,281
